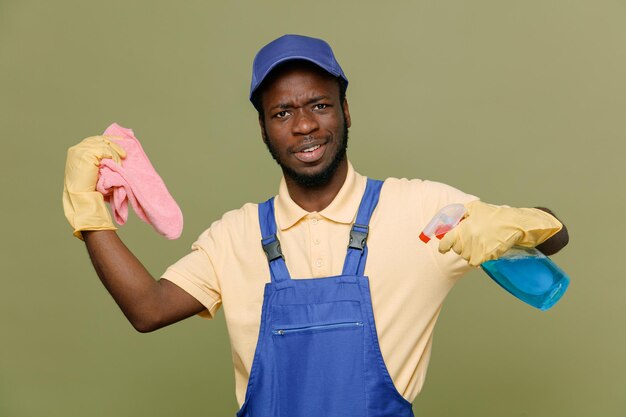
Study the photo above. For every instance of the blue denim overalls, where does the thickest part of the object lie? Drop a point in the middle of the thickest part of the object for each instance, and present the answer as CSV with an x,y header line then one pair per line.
x,y
317,354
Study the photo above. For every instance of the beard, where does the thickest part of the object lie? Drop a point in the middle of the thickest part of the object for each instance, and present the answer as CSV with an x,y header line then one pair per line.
x,y
312,180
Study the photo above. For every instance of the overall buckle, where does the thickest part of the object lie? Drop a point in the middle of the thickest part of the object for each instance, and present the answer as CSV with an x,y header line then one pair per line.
x,y
358,236
272,248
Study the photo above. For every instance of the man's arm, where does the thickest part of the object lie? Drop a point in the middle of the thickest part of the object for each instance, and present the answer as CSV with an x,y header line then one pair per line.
x,y
556,242
146,303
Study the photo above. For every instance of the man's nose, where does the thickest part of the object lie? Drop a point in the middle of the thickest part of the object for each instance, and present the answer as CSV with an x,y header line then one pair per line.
x,y
304,123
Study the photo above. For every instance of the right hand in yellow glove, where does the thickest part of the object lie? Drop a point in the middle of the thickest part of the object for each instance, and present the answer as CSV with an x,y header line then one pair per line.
x,y
488,231
84,207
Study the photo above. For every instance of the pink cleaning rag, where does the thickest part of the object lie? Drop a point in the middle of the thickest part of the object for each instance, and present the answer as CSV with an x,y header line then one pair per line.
x,y
137,181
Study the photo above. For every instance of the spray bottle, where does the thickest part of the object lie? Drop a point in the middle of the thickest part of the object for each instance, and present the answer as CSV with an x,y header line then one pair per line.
x,y
524,272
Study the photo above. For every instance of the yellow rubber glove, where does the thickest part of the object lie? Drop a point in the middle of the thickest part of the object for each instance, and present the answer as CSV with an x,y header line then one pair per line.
x,y
84,207
488,231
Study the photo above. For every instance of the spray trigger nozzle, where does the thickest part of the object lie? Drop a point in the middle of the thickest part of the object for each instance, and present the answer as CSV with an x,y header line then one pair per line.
x,y
445,220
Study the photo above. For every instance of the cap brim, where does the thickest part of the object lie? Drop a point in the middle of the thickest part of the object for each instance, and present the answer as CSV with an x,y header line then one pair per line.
x,y
331,71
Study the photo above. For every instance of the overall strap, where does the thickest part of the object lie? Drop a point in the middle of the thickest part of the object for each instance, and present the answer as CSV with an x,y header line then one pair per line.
x,y
357,247
270,243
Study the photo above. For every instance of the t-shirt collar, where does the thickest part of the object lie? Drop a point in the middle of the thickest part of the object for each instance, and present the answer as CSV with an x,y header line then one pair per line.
x,y
342,209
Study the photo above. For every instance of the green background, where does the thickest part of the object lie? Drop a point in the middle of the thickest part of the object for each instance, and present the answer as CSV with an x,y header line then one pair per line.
x,y
520,103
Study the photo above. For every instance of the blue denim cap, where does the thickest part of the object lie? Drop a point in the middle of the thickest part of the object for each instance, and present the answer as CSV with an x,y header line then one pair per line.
x,y
293,47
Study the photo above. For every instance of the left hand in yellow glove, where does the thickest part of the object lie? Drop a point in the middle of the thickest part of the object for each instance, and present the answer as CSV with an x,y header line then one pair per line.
x,y
488,231
84,207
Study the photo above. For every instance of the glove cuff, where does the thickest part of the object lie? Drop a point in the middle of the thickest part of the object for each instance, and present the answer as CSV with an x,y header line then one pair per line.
x,y
86,211
537,226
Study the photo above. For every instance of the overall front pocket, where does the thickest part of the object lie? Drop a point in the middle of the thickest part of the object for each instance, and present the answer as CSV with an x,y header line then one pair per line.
x,y
285,330
320,369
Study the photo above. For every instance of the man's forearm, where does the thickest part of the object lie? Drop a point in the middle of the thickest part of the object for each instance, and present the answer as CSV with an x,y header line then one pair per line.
x,y
556,242
146,303
126,279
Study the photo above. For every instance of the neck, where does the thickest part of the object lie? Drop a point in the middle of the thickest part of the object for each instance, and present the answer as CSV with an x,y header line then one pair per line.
x,y
318,198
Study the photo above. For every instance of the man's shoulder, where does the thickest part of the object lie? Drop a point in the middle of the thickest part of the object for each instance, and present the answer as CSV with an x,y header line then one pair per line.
x,y
234,224
417,185
427,193
243,213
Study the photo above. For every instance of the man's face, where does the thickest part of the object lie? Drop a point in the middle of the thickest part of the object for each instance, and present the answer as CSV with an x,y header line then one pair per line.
x,y
304,126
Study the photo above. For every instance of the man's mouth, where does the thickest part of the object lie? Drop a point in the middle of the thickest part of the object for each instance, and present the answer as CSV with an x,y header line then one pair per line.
x,y
312,148
311,154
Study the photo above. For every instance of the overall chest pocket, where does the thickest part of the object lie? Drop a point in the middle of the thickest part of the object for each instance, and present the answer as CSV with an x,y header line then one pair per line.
x,y
319,354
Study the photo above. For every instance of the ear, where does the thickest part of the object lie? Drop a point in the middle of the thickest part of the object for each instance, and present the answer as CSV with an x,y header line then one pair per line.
x,y
346,112
262,126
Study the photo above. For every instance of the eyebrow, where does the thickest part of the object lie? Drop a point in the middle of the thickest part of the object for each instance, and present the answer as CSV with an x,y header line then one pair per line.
x,y
284,106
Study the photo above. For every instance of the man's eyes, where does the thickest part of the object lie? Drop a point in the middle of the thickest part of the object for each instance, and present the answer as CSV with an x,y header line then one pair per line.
x,y
285,113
